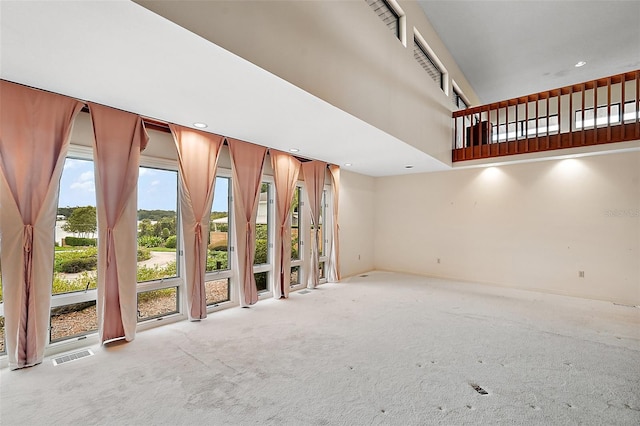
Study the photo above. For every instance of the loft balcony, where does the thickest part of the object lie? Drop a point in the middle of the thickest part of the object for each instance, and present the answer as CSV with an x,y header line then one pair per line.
x,y
554,119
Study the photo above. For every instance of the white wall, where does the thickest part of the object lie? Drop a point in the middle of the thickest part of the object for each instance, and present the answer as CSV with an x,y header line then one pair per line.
x,y
341,52
356,223
531,226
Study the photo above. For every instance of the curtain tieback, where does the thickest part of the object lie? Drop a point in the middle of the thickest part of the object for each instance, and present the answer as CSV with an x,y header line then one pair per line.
x,y
27,246
109,243
27,238
198,231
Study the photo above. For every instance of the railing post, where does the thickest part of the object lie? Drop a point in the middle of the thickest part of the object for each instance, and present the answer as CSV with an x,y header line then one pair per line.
x,y
637,103
571,115
548,118
526,126
582,130
609,109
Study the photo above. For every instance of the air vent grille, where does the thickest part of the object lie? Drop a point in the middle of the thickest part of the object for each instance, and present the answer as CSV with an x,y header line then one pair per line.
x,y
72,356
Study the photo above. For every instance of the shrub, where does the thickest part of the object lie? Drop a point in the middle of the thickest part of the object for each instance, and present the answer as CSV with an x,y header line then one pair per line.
x,y
171,242
143,254
261,252
79,264
80,242
61,285
146,273
67,258
150,241
215,258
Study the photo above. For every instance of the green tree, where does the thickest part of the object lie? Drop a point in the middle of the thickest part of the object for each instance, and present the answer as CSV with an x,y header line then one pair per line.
x,y
145,228
82,220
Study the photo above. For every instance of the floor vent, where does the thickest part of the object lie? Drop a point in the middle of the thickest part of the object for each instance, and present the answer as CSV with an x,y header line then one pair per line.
x,y
72,357
304,292
479,389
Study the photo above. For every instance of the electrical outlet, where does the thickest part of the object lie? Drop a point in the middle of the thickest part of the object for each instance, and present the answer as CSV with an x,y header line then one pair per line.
x,y
580,274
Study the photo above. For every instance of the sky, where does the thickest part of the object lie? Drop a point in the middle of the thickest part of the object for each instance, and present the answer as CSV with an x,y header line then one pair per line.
x,y
157,189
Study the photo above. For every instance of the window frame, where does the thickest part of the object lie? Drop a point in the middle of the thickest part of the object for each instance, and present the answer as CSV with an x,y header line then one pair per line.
x,y
268,267
226,273
433,58
177,281
327,225
394,8
302,225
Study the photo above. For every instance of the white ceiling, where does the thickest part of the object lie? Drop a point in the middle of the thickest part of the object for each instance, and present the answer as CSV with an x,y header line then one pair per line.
x,y
514,48
119,54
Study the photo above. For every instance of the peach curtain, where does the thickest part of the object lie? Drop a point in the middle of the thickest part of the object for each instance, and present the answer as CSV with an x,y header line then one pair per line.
x,y
247,162
34,138
285,174
197,161
119,138
333,275
314,172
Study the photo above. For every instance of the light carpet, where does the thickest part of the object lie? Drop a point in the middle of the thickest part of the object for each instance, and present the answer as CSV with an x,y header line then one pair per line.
x,y
381,349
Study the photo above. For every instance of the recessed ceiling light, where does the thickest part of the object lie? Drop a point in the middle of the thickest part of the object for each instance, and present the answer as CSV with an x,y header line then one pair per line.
x,y
580,64
409,166
200,125
348,164
294,150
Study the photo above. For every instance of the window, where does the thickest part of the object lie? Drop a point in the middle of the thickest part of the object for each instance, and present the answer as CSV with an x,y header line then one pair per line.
x,y
218,273
157,303
601,120
263,242
296,241
458,101
428,62
158,240
157,224
524,128
630,113
323,236
387,14
73,302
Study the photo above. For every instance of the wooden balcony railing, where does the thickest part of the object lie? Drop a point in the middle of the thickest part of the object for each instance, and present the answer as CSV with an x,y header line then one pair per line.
x,y
555,119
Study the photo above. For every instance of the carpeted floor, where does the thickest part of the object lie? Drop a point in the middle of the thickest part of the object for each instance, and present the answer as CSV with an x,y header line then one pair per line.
x,y
382,349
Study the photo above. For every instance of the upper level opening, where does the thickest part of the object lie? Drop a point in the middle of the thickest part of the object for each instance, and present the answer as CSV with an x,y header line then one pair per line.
x,y
590,113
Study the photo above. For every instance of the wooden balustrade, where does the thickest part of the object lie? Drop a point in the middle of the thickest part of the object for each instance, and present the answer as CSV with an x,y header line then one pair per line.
x,y
554,119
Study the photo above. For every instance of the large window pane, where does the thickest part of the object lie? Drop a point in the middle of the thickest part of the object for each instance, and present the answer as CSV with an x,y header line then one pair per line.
x,y
262,226
295,225
218,242
321,230
76,254
157,224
